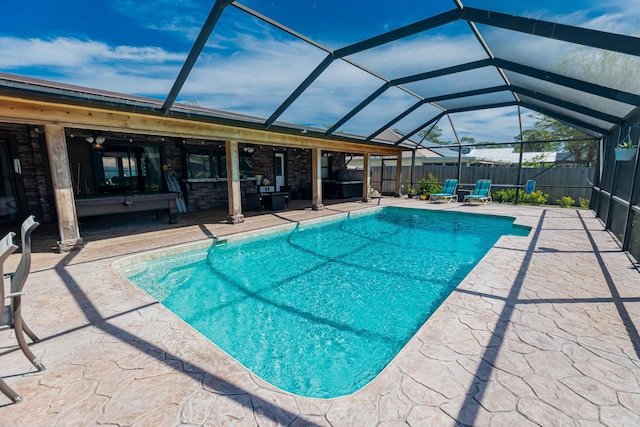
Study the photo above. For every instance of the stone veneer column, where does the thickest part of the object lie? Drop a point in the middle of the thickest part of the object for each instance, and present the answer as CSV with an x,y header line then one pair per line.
x,y
316,179
233,183
398,175
62,188
366,177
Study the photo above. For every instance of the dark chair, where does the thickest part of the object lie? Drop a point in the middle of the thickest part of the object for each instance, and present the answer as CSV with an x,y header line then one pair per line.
x,y
12,312
252,202
291,194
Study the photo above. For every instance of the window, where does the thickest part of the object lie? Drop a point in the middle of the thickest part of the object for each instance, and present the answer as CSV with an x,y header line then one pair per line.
x,y
204,163
246,166
127,169
209,163
199,165
325,166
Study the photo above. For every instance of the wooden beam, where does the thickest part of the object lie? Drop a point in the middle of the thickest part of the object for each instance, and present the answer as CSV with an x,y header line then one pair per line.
x,y
366,178
16,110
233,183
316,180
62,189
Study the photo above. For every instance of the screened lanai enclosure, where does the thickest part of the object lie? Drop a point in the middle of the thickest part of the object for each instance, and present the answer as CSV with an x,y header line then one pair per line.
x,y
341,72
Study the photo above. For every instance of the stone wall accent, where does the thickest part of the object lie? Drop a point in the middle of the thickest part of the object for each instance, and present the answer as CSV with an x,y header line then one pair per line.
x,y
34,180
214,194
298,164
173,157
299,168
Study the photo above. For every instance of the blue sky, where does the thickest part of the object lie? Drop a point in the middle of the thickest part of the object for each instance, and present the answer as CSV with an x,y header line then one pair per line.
x,y
137,47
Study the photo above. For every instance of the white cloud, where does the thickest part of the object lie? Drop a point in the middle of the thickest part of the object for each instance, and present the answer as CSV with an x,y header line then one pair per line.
x,y
255,79
494,125
67,52
422,53
128,69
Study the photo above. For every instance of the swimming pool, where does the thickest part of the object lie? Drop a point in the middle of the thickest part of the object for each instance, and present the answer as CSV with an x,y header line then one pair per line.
x,y
320,310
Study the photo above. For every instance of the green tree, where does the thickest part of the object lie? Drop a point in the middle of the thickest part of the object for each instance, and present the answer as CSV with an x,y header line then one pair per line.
x,y
433,136
545,129
581,145
583,150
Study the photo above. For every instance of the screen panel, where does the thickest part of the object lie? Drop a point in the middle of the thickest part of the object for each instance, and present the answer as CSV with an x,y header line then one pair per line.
x,y
446,46
457,82
331,96
336,23
594,102
566,113
598,66
477,100
248,67
416,119
602,15
383,109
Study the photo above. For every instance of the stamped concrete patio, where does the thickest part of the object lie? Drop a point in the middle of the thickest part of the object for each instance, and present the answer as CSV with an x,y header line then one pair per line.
x,y
542,332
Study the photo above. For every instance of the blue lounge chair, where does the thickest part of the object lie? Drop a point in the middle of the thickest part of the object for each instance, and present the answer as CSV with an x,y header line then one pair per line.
x,y
481,192
448,192
530,187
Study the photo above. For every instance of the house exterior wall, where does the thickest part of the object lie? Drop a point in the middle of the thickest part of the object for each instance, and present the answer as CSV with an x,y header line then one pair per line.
x,y
34,184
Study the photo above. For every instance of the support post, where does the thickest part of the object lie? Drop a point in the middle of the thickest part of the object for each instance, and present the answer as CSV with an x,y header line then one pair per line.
x,y
398,175
366,177
316,179
233,183
413,166
519,177
626,238
69,230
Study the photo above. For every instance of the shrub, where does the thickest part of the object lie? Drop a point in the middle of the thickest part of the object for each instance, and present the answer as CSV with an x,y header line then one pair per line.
x,y
566,202
505,196
535,198
429,185
584,203
509,196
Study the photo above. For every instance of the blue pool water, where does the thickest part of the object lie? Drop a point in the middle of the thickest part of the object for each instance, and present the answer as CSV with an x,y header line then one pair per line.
x,y
319,311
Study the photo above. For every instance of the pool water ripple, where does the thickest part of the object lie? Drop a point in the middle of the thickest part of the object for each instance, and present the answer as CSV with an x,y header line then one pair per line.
x,y
319,311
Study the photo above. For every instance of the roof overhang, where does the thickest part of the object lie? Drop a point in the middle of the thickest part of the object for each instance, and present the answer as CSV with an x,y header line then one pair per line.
x,y
26,102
